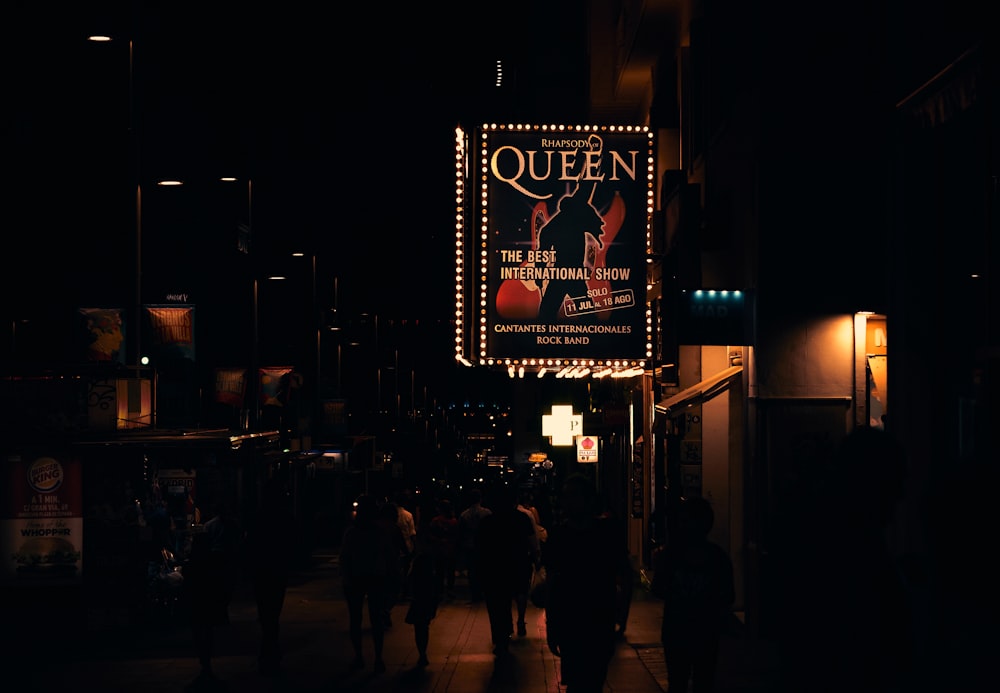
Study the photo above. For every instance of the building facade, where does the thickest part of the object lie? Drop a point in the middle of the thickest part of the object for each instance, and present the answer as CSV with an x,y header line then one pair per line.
x,y
839,171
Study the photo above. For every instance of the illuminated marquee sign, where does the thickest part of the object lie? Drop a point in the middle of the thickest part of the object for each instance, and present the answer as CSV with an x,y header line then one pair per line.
x,y
552,240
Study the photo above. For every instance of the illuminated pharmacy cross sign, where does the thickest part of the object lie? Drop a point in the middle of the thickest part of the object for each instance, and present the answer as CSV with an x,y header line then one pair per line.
x,y
562,424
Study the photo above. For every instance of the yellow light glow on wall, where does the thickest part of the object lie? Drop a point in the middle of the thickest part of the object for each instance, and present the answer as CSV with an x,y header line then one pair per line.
x,y
134,403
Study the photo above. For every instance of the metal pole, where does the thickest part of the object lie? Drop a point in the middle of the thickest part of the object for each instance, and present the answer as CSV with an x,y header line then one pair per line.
x,y
249,213
253,381
340,338
134,145
254,358
318,322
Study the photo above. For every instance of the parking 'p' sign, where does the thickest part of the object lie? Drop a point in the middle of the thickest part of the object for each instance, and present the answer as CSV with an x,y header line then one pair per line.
x,y
562,425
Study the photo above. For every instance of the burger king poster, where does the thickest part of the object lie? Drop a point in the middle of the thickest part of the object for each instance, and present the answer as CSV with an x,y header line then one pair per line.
x,y
42,519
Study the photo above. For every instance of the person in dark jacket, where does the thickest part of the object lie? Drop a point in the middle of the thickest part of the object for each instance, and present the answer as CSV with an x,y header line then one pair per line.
x,y
369,559
694,577
505,541
425,591
210,576
468,523
443,532
586,558
270,554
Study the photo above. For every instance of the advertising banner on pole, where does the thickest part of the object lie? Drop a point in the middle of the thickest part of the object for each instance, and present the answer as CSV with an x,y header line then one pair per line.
x,y
274,383
103,333
172,329
231,386
42,519
558,243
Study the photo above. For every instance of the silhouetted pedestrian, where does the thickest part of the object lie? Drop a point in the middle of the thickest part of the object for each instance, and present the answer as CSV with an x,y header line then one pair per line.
x,y
694,577
468,522
846,612
526,503
368,560
270,554
506,559
585,559
442,531
408,528
626,586
388,518
425,590
523,591
210,577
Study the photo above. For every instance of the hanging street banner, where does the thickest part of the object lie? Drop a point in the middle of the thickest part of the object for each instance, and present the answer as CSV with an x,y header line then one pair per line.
x,y
231,386
557,243
172,330
103,334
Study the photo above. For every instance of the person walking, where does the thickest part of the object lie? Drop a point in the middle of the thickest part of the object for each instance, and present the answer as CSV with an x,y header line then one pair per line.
x,y
408,528
270,554
504,543
442,531
585,560
833,540
368,560
210,576
468,522
694,577
626,587
388,518
523,591
425,590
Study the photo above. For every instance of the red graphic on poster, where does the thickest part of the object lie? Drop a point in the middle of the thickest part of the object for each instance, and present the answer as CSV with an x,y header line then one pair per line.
x,y
520,299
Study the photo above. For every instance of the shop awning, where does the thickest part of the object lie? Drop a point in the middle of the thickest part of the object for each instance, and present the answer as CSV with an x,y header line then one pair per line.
x,y
174,438
697,394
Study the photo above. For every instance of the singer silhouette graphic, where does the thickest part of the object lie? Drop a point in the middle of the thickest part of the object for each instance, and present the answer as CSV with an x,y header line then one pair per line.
x,y
573,232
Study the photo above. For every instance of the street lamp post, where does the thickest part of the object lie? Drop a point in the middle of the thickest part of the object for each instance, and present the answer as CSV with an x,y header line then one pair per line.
x,y
135,174
253,383
244,246
316,329
134,149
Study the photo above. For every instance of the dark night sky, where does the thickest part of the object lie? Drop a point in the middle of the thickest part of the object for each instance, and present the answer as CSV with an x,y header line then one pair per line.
x,y
343,117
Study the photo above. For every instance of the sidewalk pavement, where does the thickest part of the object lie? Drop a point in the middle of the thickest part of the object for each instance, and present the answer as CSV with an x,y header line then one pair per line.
x,y
318,654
